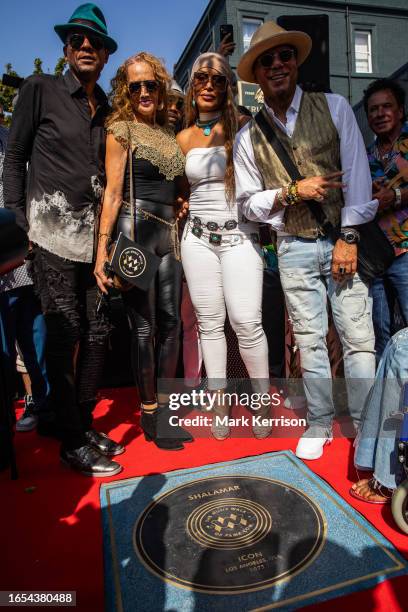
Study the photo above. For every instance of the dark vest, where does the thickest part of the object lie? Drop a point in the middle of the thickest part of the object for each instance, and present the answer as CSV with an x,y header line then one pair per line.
x,y
315,148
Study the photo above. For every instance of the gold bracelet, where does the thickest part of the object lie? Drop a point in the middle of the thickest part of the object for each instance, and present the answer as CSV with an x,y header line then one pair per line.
x,y
292,195
101,235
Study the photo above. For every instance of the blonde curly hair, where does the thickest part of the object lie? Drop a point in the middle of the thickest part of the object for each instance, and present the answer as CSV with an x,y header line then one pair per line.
x,y
119,96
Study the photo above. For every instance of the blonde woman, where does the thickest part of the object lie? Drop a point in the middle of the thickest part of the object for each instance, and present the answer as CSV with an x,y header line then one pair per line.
x,y
221,255
139,123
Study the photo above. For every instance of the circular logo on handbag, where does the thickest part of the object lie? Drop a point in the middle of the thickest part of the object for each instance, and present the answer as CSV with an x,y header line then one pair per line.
x,y
132,262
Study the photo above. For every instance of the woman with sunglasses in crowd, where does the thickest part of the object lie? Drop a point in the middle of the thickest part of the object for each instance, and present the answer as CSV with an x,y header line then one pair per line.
x,y
139,122
221,255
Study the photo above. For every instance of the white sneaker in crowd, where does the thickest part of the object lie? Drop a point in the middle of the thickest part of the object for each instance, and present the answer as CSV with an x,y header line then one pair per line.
x,y
311,444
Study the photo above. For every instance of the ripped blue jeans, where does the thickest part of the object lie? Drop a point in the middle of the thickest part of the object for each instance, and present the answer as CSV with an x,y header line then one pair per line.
x,y
305,270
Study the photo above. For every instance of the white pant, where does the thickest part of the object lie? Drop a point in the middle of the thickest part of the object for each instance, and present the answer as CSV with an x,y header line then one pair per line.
x,y
227,276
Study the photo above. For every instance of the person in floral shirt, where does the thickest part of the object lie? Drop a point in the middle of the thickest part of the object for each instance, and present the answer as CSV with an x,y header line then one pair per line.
x,y
384,103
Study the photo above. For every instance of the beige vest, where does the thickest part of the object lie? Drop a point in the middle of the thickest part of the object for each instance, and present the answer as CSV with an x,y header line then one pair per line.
x,y
315,148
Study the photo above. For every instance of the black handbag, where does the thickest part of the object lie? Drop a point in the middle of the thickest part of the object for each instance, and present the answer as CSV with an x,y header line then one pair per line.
x,y
132,264
374,253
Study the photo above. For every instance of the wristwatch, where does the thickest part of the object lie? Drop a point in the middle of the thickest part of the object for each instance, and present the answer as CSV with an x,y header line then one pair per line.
x,y
349,235
398,197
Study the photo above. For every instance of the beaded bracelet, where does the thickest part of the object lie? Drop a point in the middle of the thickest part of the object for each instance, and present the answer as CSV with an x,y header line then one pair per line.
x,y
292,195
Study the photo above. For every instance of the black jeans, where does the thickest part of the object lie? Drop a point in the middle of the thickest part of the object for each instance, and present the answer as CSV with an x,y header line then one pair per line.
x,y
273,322
154,315
76,340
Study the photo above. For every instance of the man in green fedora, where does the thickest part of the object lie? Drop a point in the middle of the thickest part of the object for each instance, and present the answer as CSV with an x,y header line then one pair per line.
x,y
58,127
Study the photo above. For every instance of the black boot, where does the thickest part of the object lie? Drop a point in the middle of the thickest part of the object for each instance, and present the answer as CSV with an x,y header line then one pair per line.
x,y
157,429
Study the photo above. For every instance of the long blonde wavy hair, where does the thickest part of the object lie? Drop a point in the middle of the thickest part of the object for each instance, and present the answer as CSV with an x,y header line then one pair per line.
x,y
119,96
229,123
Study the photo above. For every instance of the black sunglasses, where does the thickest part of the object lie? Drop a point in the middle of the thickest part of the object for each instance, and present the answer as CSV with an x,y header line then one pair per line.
x,y
218,81
135,87
266,60
77,40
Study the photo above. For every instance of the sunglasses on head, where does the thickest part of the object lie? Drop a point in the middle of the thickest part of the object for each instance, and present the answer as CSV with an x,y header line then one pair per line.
x,y
77,40
135,87
218,81
266,60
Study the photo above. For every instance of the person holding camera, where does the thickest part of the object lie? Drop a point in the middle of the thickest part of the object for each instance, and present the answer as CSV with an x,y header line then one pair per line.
x,y
58,127
143,158
221,255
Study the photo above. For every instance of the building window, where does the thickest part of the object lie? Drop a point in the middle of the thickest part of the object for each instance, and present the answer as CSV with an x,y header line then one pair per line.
x,y
249,27
362,51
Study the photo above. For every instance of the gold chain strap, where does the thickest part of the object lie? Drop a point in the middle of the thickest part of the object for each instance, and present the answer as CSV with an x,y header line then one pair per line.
x,y
174,231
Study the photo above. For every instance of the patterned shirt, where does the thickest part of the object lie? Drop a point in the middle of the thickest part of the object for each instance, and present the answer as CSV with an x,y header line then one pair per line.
x,y
54,131
394,223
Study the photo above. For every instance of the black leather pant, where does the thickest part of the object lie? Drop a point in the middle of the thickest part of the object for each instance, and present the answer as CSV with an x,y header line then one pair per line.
x,y
154,315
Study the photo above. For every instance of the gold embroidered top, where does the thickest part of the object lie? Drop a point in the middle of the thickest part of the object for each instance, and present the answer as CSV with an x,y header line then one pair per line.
x,y
157,144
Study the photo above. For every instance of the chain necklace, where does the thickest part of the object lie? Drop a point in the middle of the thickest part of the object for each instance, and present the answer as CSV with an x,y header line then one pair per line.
x,y
207,122
387,154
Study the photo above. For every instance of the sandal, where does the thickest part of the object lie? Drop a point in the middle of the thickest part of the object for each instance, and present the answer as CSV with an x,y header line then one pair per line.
x,y
375,488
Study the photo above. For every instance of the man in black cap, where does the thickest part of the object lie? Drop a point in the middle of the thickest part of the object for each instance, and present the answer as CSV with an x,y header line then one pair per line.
x,y
58,126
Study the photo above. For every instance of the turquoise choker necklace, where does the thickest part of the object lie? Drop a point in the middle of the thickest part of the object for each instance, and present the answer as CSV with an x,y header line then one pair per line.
x,y
207,122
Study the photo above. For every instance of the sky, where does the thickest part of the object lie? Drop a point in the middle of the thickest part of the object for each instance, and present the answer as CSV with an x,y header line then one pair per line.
x,y
162,27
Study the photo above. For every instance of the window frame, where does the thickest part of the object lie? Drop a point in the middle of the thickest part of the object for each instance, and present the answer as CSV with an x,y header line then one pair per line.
x,y
249,18
370,63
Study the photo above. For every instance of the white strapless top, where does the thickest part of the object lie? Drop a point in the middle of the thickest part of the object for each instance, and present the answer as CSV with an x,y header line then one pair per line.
x,y
205,170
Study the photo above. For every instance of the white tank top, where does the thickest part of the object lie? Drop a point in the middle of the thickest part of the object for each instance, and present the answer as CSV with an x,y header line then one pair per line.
x,y
205,170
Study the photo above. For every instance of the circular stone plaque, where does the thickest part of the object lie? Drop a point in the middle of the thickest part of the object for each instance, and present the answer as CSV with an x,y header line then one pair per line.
x,y
229,534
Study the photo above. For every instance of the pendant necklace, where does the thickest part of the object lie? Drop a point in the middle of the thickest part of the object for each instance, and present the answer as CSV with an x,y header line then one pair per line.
x,y
206,121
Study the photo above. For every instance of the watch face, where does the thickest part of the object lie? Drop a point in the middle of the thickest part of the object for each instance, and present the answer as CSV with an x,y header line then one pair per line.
x,y
349,237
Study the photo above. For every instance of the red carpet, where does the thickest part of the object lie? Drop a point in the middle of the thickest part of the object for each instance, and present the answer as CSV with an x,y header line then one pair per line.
x,y
51,536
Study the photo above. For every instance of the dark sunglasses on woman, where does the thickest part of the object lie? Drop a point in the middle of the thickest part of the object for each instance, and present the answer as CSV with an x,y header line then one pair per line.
x,y
218,81
135,87
77,40
266,60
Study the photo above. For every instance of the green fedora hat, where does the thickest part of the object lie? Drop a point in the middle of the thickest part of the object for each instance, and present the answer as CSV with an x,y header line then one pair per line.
x,y
88,17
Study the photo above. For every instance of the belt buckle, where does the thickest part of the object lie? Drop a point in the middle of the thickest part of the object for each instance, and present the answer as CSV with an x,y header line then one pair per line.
x,y
215,238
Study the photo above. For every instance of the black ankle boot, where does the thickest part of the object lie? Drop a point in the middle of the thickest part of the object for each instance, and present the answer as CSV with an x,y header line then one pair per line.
x,y
157,429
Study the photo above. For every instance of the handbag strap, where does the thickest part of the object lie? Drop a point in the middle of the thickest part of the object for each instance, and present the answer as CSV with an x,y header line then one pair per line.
x,y
287,162
132,199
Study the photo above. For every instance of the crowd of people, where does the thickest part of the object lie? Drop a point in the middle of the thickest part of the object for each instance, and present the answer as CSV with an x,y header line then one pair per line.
x,y
193,180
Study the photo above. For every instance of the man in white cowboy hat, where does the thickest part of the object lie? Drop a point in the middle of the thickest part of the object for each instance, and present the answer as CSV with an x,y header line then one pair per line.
x,y
58,127
319,134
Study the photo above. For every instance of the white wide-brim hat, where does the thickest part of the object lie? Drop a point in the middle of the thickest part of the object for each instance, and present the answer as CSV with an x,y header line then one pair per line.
x,y
266,37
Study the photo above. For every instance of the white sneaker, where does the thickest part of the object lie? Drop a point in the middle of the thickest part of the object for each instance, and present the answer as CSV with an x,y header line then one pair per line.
x,y
310,446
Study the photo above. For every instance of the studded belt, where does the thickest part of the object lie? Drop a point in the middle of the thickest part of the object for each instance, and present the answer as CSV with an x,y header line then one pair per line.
x,y
197,228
